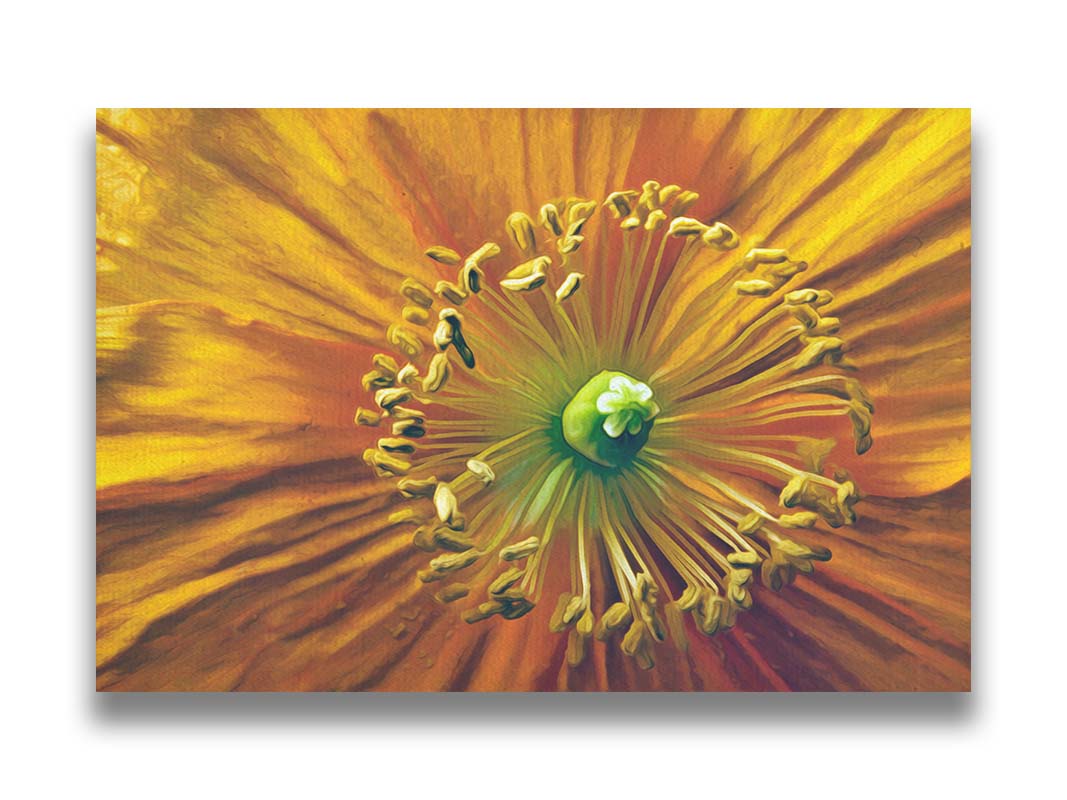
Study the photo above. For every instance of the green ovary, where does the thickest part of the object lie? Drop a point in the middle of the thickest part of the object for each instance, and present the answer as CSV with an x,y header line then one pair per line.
x,y
608,420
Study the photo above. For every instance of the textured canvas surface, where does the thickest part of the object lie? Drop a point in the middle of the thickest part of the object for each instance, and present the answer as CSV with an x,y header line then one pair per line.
x,y
533,400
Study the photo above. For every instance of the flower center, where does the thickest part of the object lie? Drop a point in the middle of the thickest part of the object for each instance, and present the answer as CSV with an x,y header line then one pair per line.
x,y
608,420
516,498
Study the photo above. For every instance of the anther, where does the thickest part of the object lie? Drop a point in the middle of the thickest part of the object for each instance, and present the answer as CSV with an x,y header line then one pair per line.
x,y
448,539
787,269
483,611
399,412
802,519
505,581
519,550
636,645
818,349
762,255
743,558
794,491
453,592
555,622
387,364
404,340
689,598
367,417
800,297
484,253
826,326
412,488
442,335
438,373
647,595
416,292
549,218
712,613
686,226
481,471
521,229
721,236
683,202
388,398
668,193
578,213
569,286
621,203
445,503
568,244
750,523
578,638
454,294
655,220
574,610
758,288
385,464
452,318
617,616
445,564
406,516
407,375
416,315
443,255
737,589
528,275
649,199
423,539
530,282
471,274
376,379
396,445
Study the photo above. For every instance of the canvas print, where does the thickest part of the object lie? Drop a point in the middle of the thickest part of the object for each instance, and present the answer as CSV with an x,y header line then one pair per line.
x,y
533,400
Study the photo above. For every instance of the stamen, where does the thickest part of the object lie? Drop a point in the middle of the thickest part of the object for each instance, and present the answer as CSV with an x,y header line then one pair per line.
x,y
481,471
530,282
453,592
416,315
677,500
569,286
620,203
549,219
388,398
366,417
416,292
721,236
404,340
456,295
520,550
443,255
411,488
521,229
407,375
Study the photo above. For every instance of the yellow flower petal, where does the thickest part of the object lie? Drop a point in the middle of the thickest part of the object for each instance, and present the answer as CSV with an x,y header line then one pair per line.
x,y
187,393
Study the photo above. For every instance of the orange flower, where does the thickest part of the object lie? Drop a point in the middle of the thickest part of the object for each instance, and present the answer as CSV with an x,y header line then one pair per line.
x,y
248,272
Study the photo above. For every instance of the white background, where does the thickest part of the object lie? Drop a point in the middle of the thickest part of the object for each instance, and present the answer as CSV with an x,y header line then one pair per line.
x,y
60,62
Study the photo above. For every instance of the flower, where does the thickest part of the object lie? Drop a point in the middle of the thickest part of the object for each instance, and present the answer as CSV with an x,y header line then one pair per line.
x,y
617,412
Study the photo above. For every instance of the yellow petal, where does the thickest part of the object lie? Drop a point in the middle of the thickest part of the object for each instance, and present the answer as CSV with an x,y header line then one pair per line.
x,y
194,595
253,212
187,393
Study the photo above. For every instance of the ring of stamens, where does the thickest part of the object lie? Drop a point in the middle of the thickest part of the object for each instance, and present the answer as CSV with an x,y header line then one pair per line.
x,y
493,480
